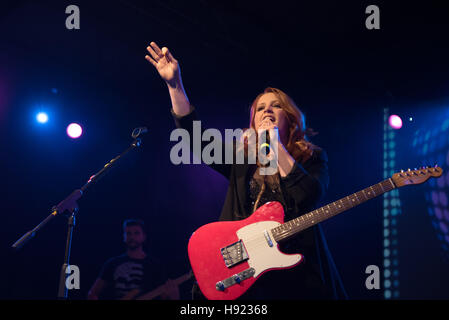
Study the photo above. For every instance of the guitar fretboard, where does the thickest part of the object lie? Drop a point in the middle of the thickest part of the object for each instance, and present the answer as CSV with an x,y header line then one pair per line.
x,y
305,221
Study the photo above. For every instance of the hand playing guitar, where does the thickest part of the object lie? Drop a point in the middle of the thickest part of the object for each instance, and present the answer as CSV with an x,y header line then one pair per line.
x,y
171,291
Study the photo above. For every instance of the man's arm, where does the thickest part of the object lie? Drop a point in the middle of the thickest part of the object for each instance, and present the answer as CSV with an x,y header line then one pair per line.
x,y
96,289
171,291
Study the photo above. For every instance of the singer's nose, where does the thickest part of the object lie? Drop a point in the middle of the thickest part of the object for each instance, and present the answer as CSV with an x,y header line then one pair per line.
x,y
268,109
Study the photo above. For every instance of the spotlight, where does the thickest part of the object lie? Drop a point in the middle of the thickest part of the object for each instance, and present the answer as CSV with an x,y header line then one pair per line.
x,y
395,121
42,117
74,130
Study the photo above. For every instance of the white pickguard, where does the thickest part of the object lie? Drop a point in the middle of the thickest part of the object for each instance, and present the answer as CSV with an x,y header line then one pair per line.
x,y
261,256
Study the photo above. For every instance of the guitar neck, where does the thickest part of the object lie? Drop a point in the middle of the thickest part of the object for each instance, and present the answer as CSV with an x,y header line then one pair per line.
x,y
312,218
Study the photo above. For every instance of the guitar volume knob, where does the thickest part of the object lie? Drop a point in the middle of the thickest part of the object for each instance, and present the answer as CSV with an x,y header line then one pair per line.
x,y
220,286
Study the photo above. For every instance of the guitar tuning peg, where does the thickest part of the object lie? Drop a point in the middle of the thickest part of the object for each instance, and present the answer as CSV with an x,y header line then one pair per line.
x,y
415,169
435,166
402,171
408,170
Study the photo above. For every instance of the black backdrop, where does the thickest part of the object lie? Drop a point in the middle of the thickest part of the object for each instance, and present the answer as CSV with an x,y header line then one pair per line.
x,y
340,74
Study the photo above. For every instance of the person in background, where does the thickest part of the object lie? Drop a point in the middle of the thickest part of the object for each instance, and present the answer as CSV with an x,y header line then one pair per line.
x,y
134,271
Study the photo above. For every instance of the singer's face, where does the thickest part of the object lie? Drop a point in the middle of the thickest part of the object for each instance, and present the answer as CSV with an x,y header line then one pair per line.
x,y
268,108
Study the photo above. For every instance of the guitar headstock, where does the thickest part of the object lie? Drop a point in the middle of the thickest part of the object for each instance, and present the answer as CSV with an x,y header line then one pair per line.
x,y
416,176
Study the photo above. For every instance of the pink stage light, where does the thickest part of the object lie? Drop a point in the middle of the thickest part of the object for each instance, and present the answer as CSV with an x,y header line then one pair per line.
x,y
74,130
395,122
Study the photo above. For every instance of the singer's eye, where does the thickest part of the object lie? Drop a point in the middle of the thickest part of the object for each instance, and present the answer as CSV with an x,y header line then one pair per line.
x,y
259,108
277,106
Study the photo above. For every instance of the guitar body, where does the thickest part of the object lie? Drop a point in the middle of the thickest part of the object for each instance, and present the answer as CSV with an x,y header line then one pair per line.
x,y
254,238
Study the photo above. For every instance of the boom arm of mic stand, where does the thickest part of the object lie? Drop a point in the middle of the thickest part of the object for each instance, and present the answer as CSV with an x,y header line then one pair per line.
x,y
70,203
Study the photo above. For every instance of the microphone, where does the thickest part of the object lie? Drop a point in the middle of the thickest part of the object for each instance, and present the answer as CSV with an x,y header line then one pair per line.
x,y
265,147
138,131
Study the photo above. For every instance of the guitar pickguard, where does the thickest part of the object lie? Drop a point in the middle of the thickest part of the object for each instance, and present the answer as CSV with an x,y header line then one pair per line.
x,y
262,256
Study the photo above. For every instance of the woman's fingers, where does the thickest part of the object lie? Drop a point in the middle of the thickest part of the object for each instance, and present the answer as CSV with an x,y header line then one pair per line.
x,y
151,60
153,53
167,54
157,54
156,49
266,125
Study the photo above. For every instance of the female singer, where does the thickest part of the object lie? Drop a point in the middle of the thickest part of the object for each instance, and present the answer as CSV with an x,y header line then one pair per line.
x,y
299,184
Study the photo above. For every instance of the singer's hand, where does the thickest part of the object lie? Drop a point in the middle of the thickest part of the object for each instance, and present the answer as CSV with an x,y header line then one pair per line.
x,y
284,159
268,125
166,65
168,68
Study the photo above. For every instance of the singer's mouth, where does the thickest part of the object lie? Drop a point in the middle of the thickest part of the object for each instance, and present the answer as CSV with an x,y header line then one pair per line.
x,y
271,118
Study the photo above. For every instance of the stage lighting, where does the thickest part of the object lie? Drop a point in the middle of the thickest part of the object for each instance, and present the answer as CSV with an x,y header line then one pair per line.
x,y
42,117
391,203
74,130
395,121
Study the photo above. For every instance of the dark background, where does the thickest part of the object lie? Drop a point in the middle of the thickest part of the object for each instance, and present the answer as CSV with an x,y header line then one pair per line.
x,y
340,74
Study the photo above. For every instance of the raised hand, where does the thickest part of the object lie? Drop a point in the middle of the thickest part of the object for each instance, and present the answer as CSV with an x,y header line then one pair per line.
x,y
165,64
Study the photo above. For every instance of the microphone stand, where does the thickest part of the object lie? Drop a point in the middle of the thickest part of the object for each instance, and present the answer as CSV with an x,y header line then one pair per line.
x,y
70,206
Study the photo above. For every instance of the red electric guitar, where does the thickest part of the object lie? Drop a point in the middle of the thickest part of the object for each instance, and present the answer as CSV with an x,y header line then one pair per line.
x,y
228,257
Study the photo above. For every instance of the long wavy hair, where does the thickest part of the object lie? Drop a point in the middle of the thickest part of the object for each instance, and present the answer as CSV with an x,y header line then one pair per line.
x,y
298,145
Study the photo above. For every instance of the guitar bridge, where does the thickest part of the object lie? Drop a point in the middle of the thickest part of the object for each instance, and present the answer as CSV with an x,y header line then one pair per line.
x,y
235,279
234,254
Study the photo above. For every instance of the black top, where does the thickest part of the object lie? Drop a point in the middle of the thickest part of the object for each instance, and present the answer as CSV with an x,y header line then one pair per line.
x,y
123,274
271,193
300,192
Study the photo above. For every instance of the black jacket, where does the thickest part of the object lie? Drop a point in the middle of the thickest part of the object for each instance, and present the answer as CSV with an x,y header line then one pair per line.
x,y
302,189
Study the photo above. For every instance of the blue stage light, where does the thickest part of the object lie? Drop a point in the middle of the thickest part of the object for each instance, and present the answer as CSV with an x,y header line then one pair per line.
x,y
42,117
